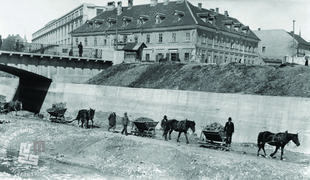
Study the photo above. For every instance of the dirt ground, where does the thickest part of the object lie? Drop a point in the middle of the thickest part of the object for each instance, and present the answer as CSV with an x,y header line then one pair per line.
x,y
285,80
72,152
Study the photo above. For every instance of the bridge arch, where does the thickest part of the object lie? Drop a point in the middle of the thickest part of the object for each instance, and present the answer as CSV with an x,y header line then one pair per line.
x,y
32,88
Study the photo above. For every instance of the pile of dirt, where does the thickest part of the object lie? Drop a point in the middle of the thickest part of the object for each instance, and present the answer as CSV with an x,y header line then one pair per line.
x,y
214,127
285,80
143,119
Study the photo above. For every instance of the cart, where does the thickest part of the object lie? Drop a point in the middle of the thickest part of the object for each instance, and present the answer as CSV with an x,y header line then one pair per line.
x,y
57,114
145,128
213,139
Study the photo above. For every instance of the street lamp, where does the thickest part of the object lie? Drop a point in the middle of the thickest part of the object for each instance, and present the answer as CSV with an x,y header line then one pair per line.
x,y
293,41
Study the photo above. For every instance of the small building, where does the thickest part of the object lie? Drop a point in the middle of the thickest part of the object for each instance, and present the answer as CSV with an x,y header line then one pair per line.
x,y
279,46
133,51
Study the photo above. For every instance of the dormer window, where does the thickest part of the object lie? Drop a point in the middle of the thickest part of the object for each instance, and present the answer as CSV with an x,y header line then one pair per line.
x,y
126,20
203,16
211,19
237,26
179,14
159,18
111,21
245,29
98,22
90,23
142,19
228,24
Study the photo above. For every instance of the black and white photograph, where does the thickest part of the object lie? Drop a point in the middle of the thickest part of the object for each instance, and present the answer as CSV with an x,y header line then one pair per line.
x,y
154,89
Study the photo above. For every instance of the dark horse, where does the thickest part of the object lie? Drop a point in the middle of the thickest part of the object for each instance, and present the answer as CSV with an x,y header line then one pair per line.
x,y
180,126
278,140
12,106
85,115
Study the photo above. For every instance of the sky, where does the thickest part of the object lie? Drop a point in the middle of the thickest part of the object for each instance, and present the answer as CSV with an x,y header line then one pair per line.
x,y
24,17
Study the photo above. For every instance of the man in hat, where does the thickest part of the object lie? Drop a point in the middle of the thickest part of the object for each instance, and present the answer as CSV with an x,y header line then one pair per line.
x,y
229,130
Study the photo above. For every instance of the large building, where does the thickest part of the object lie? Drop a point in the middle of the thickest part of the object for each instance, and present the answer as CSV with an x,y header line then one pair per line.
x,y
171,30
279,46
58,31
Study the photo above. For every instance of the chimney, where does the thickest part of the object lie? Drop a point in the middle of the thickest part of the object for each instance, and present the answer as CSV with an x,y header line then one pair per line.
x,y
130,4
217,10
200,5
119,8
111,4
154,2
226,13
166,2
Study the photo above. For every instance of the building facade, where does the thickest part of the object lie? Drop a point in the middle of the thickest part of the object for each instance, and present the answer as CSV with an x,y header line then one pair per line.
x,y
279,46
172,31
58,31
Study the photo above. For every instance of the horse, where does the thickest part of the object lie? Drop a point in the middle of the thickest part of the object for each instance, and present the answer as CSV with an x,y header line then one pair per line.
x,y
278,140
12,106
180,126
85,115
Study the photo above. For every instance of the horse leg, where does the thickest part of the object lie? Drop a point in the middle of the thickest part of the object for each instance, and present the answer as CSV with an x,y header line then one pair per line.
x,y
263,147
179,137
186,137
170,134
272,154
282,148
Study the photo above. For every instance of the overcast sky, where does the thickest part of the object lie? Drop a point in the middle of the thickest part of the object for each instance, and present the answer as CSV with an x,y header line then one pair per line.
x,y
24,17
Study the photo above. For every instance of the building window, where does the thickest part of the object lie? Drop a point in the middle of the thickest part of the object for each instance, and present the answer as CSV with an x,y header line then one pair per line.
x,y
148,38
203,39
95,41
186,57
77,41
147,57
136,39
188,36
263,49
174,37
99,11
125,38
85,41
160,37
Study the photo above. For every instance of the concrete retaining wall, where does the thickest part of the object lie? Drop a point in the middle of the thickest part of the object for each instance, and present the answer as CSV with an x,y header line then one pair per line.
x,y
251,114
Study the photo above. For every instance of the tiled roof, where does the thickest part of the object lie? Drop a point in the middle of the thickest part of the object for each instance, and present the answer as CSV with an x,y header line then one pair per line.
x,y
172,15
300,40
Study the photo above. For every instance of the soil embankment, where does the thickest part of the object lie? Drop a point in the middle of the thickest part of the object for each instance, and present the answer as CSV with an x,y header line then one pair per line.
x,y
289,80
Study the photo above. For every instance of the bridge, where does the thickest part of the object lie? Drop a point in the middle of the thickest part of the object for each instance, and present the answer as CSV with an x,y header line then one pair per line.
x,y
59,68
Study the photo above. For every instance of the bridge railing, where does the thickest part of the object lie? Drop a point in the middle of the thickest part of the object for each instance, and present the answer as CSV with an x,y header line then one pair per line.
x,y
53,49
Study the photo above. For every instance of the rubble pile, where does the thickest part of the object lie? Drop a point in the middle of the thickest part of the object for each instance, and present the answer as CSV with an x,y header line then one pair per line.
x,y
214,127
143,119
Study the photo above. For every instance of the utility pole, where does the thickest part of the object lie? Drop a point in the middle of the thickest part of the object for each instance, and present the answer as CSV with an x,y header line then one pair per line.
x,y
293,41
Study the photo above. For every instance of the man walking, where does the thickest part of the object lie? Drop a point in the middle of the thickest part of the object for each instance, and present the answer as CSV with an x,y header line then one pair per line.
x,y
112,121
229,129
125,121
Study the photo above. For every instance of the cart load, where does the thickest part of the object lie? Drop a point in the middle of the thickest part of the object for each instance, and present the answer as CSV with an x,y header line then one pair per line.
x,y
213,135
144,126
57,112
